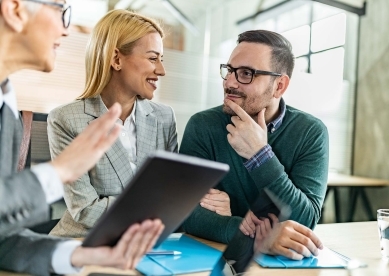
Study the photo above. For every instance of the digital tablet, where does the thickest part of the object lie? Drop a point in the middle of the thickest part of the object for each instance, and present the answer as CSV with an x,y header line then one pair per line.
x,y
167,186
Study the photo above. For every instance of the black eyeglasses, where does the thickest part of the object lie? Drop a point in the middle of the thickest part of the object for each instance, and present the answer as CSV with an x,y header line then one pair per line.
x,y
243,75
65,8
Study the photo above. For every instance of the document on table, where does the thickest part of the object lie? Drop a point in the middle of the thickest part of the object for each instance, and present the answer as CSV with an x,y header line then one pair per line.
x,y
327,258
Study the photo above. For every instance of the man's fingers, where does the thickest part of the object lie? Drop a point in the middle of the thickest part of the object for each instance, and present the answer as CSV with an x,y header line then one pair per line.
x,y
208,206
267,225
237,109
273,217
245,228
261,119
250,226
223,212
222,197
309,234
258,233
288,253
214,191
299,248
262,226
231,129
303,245
236,120
254,218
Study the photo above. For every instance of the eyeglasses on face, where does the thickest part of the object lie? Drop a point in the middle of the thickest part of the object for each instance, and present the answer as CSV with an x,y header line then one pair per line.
x,y
65,9
243,75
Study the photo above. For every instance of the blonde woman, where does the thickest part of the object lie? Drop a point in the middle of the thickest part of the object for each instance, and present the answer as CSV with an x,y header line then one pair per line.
x,y
123,64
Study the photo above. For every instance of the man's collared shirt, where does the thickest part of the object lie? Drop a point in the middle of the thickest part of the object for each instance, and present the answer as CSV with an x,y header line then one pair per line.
x,y
266,153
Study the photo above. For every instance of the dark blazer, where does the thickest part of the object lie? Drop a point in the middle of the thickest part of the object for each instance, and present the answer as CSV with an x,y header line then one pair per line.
x,y
22,204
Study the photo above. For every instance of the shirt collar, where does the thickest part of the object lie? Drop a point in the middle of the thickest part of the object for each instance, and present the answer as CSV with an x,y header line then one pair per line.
x,y
275,124
8,97
131,116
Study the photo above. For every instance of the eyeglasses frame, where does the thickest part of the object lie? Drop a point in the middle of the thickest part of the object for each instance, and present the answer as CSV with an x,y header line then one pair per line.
x,y
64,7
253,71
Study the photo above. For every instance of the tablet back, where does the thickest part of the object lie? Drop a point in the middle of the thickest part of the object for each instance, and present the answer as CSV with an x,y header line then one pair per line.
x,y
167,186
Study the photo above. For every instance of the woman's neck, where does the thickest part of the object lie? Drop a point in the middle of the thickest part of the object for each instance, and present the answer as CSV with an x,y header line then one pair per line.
x,y
114,94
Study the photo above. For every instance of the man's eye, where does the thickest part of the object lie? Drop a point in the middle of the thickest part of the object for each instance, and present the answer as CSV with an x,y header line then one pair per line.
x,y
246,73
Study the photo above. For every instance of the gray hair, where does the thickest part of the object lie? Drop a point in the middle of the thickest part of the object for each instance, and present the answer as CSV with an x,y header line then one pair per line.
x,y
32,7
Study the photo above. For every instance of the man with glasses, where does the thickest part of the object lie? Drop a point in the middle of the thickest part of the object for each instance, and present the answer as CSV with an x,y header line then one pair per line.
x,y
266,143
30,32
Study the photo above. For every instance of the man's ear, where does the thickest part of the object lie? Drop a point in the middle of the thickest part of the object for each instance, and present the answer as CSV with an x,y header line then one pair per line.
x,y
282,84
14,14
116,61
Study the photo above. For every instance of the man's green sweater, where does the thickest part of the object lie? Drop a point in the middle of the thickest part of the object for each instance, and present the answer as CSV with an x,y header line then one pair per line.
x,y
296,175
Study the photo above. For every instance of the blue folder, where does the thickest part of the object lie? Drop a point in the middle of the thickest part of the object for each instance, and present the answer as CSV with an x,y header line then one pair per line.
x,y
327,259
195,257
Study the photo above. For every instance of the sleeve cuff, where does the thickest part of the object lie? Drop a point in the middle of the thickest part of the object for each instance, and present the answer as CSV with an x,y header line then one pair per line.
x,y
50,182
261,157
60,261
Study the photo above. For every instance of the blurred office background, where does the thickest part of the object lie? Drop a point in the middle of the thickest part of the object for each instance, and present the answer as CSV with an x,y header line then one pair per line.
x,y
341,73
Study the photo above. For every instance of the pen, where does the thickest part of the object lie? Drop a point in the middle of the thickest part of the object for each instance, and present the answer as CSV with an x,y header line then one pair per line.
x,y
164,252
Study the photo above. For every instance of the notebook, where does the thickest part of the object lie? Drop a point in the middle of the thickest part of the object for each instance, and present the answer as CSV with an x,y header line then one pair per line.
x,y
327,259
195,257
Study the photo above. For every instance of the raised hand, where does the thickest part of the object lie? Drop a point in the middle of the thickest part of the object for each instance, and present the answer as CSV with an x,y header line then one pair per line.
x,y
88,147
135,242
245,135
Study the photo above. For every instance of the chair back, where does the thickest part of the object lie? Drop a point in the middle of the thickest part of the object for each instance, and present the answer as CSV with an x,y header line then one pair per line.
x,y
39,150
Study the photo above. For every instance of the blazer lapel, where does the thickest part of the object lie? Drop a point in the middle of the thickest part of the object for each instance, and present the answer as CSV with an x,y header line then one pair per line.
x,y
10,139
146,130
116,154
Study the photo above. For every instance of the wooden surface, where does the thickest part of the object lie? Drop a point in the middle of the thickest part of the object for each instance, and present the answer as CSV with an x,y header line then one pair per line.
x,y
343,180
357,240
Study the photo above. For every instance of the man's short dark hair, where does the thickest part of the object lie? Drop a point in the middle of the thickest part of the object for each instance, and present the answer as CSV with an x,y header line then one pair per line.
x,y
282,57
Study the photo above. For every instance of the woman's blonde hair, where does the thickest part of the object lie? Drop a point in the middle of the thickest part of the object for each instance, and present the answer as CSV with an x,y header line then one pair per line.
x,y
117,29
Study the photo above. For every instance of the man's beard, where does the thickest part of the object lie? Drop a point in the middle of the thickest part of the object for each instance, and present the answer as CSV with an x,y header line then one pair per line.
x,y
227,91
248,104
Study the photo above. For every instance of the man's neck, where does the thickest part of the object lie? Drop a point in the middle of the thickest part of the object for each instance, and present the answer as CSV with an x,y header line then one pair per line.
x,y
272,112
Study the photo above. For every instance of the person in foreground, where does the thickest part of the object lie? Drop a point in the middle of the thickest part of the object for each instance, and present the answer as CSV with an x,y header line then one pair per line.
x,y
266,143
30,31
127,72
